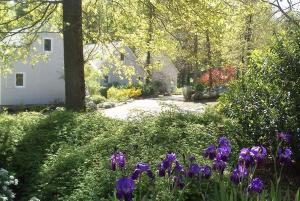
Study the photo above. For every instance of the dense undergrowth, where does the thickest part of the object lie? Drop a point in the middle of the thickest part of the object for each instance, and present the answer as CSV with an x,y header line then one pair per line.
x,y
65,156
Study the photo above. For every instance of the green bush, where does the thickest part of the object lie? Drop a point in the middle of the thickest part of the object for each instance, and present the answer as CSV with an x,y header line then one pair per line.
x,y
199,87
267,97
98,99
65,156
123,94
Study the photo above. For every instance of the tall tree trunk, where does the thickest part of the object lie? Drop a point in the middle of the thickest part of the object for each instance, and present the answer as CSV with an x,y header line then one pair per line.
x,y
248,39
150,8
208,58
73,55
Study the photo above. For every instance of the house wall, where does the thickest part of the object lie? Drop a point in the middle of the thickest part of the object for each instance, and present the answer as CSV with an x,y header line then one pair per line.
x,y
167,74
44,82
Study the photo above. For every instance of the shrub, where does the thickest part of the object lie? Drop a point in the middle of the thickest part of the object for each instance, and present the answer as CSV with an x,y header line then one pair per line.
x,y
220,76
266,98
122,94
98,99
199,87
92,77
64,155
6,181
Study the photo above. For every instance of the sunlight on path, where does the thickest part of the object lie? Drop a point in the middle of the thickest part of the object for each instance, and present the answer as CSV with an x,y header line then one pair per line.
x,y
153,106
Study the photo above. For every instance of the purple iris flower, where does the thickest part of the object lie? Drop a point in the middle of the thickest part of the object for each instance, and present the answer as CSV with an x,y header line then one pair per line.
x,y
256,185
194,169
205,171
258,153
171,157
178,168
223,153
245,157
161,170
285,156
210,152
140,168
117,160
284,137
219,165
238,174
125,187
178,182
224,142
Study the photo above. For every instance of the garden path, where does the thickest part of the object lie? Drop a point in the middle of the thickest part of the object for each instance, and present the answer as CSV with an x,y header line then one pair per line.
x,y
154,106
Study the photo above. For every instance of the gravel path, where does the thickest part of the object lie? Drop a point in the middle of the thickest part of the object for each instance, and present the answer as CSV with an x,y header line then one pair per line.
x,y
153,106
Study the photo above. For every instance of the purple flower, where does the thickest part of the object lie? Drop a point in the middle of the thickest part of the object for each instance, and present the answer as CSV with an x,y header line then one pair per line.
x,y
178,168
223,153
224,142
139,169
245,157
205,172
117,160
125,188
161,170
178,182
210,152
219,165
256,185
258,153
285,156
171,157
284,137
194,169
238,174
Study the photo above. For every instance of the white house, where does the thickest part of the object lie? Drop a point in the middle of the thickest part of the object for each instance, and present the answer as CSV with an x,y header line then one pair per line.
x,y
43,83
119,64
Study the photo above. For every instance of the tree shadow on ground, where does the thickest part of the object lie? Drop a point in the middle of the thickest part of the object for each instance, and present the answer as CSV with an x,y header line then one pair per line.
x,y
34,149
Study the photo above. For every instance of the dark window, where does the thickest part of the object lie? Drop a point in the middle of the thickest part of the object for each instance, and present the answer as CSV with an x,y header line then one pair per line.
x,y
122,57
19,80
47,45
106,79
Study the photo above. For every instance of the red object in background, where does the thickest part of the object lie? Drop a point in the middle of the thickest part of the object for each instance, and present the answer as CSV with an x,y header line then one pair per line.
x,y
220,76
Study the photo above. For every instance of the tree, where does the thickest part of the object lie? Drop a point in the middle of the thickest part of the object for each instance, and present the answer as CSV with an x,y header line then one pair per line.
x,y
73,55
34,16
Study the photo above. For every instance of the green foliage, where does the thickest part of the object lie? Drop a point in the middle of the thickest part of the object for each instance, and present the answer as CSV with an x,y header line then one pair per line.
x,y
6,182
199,87
65,156
98,99
92,77
122,94
266,98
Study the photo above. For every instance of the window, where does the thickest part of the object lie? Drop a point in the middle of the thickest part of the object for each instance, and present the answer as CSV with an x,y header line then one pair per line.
x,y
106,79
47,45
20,80
122,57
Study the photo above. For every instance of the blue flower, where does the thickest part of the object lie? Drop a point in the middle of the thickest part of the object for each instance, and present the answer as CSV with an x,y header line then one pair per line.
x,y
224,142
223,153
285,156
125,187
284,137
178,168
238,174
171,157
256,185
117,160
205,171
193,170
139,169
258,153
210,152
219,165
245,157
